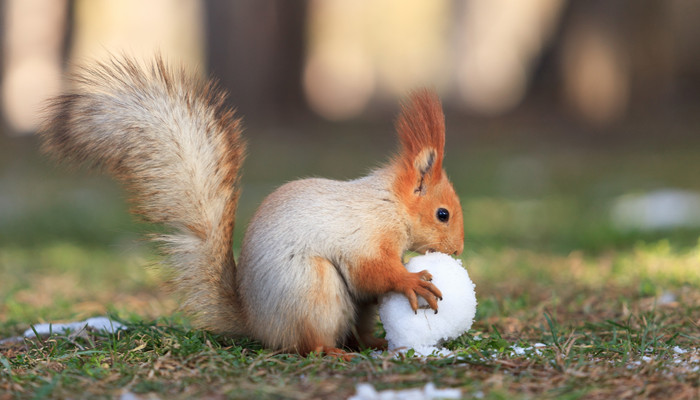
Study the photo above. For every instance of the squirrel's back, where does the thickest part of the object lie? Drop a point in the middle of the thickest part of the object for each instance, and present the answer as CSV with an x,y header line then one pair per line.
x,y
170,139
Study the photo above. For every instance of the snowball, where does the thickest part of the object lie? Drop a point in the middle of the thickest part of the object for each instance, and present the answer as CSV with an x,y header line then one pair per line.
x,y
424,330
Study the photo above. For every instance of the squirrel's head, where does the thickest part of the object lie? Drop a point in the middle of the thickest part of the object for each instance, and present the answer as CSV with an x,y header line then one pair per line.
x,y
434,212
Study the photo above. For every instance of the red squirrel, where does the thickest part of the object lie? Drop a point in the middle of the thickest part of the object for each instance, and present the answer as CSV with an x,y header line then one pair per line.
x,y
317,253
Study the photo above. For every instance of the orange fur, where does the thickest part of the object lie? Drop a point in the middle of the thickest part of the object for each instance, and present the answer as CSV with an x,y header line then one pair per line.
x,y
309,339
378,274
421,185
386,273
420,127
322,268
312,341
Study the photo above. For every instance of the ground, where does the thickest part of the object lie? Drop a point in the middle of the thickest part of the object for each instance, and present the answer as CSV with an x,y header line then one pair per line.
x,y
573,302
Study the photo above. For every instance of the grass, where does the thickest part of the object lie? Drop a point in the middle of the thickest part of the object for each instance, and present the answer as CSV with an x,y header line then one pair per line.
x,y
570,306
617,348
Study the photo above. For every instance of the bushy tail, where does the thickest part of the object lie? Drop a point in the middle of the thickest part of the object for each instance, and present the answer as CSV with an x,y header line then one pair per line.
x,y
178,149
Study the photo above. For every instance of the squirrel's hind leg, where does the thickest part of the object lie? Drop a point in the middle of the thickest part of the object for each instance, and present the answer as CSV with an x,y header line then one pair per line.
x,y
324,312
362,337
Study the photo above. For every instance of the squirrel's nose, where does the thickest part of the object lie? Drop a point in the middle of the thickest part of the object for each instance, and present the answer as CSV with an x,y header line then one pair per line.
x,y
459,250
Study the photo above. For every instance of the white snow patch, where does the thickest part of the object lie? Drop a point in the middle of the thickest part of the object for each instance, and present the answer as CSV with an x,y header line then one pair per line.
x,y
424,351
365,391
102,324
657,210
522,351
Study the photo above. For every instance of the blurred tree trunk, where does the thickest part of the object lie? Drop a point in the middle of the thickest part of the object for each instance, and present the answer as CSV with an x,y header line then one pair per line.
x,y
624,59
256,50
32,42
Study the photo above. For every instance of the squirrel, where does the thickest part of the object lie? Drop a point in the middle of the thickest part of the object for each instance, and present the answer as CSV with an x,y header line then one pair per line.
x,y
317,253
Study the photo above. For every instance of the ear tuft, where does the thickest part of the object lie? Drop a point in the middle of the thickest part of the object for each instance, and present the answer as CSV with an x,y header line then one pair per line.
x,y
421,131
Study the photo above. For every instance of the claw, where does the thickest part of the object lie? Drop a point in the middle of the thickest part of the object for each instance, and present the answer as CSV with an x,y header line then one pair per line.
x,y
423,288
412,300
434,290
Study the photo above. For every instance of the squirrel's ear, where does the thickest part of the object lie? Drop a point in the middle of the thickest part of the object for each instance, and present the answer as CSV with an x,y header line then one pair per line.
x,y
421,130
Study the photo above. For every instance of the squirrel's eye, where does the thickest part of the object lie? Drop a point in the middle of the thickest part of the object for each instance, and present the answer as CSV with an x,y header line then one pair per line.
x,y
443,215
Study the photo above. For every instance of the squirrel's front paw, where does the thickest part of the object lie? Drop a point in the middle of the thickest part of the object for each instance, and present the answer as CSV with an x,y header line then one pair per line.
x,y
418,284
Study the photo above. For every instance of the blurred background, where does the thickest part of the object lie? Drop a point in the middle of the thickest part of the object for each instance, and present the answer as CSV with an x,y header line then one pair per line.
x,y
572,126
